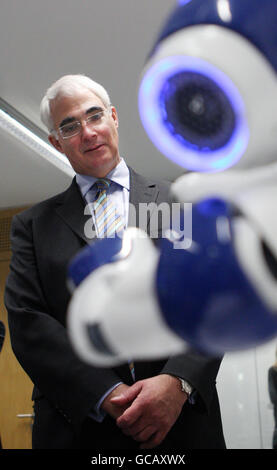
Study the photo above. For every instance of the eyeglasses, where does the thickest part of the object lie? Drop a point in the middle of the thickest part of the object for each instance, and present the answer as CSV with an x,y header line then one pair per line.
x,y
74,128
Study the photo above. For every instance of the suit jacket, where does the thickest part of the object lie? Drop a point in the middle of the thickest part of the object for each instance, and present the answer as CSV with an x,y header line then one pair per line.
x,y
44,240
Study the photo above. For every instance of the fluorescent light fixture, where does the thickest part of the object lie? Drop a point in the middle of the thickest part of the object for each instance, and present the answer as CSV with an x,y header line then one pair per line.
x,y
18,126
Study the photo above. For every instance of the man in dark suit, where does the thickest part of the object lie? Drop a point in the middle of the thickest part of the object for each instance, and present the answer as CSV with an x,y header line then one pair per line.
x,y
173,403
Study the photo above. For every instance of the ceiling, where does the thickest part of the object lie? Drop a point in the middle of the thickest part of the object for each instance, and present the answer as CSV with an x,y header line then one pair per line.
x,y
108,40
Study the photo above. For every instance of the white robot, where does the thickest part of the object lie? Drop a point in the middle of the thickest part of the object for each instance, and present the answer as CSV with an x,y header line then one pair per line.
x,y
208,101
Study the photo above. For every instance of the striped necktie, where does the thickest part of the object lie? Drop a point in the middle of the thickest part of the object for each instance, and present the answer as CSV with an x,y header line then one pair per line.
x,y
107,220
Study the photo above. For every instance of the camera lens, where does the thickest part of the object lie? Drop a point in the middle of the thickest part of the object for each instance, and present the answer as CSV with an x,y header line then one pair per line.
x,y
197,111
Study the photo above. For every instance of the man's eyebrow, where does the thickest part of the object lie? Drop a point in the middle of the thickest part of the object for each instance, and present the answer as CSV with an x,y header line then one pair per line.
x,y
67,121
94,109
70,119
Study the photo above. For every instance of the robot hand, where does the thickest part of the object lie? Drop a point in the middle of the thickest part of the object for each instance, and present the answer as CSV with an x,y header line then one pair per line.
x,y
114,312
133,300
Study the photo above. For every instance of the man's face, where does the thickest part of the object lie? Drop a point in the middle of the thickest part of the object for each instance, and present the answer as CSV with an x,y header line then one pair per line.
x,y
94,151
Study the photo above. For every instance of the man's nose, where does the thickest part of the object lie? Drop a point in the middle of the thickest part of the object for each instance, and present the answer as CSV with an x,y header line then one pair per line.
x,y
87,130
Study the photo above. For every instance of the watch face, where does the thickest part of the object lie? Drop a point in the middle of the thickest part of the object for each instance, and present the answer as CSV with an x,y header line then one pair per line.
x,y
185,387
188,390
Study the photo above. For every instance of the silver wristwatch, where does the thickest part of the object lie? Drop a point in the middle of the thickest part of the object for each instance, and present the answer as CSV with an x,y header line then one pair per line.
x,y
185,387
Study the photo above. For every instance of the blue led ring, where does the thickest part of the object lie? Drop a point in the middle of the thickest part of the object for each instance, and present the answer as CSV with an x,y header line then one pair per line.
x,y
151,115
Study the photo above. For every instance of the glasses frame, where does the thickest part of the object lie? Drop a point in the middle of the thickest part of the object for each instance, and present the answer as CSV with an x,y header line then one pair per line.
x,y
79,122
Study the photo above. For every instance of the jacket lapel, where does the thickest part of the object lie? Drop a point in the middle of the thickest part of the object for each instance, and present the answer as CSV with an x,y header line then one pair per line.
x,y
71,209
142,191
71,206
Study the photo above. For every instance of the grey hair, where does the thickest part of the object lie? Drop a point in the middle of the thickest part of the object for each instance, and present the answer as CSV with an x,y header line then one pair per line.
x,y
68,85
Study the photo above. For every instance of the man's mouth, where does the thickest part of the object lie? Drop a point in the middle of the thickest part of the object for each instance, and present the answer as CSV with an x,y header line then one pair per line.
x,y
92,149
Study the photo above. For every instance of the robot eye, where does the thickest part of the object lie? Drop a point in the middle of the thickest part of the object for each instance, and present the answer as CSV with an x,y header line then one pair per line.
x,y
197,111
193,112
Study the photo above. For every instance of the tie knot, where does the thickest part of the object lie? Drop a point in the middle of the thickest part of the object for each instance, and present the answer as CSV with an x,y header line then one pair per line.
x,y
102,184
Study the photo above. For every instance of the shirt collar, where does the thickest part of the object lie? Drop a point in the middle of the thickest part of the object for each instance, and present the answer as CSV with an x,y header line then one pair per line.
x,y
119,175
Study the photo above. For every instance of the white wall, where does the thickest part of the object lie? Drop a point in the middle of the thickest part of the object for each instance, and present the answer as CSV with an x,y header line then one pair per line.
x,y
245,405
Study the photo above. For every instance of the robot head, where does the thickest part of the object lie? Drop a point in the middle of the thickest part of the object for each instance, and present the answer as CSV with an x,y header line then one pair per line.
x,y
206,98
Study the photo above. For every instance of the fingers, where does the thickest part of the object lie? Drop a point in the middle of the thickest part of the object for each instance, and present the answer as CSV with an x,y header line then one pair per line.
x,y
112,408
128,395
145,434
148,435
151,410
136,428
153,441
130,417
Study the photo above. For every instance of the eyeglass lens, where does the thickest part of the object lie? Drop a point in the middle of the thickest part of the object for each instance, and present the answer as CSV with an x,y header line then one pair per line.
x,y
74,127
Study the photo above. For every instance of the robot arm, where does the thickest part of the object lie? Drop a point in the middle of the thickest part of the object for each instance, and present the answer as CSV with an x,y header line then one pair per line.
x,y
114,313
218,295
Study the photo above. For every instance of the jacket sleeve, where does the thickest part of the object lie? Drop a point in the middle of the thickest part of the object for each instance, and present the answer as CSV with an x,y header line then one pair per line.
x,y
40,342
199,370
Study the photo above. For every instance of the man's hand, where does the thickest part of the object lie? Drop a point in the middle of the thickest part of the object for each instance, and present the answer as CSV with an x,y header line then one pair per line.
x,y
152,407
115,409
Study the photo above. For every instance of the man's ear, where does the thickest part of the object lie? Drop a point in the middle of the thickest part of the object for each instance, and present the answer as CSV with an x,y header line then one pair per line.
x,y
114,116
53,141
